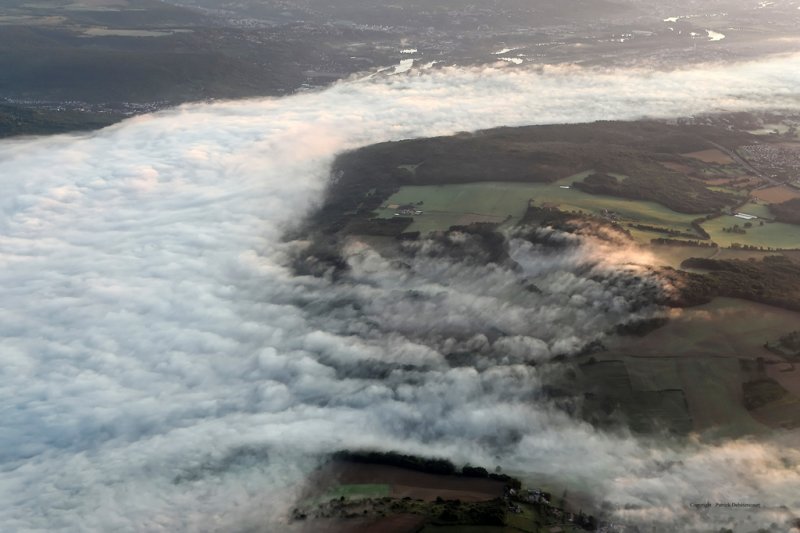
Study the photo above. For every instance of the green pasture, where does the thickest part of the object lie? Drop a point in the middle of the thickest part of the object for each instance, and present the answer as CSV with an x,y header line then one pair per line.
x,y
446,205
675,255
775,235
758,209
729,190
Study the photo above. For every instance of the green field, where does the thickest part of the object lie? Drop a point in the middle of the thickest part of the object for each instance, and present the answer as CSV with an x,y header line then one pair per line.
x,y
759,209
447,205
675,255
775,235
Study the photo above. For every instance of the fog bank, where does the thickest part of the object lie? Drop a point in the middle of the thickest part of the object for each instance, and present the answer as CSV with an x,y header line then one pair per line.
x,y
163,368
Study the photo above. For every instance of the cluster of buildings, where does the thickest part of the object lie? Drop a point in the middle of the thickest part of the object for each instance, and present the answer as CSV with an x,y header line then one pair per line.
x,y
406,210
775,160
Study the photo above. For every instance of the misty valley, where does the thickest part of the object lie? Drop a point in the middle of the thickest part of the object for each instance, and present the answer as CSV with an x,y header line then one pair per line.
x,y
518,266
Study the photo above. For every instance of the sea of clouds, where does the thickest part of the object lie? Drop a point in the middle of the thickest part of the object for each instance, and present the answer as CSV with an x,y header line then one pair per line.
x,y
163,368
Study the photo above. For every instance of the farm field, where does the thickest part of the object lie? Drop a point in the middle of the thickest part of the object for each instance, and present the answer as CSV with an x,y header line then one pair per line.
x,y
784,413
726,327
357,490
761,210
369,480
673,255
776,195
701,394
361,497
713,389
729,190
648,374
711,156
634,387
466,529
447,205
787,374
775,235
771,129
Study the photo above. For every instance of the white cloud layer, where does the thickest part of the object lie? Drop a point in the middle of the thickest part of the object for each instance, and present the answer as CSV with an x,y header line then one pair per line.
x,y
163,369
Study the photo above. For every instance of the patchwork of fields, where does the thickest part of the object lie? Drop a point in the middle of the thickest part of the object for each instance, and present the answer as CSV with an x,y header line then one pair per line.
x,y
443,206
689,375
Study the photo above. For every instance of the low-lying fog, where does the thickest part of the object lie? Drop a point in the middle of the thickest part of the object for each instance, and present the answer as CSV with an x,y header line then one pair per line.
x,y
164,370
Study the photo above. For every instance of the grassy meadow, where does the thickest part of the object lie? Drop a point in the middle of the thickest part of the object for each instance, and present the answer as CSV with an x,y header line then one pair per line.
x,y
775,235
447,205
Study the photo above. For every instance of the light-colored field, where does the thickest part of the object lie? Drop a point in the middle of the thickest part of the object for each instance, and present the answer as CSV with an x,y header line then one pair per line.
x,y
758,209
743,192
776,195
673,256
114,32
711,156
100,3
774,235
771,129
447,205
28,20
677,167
718,182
